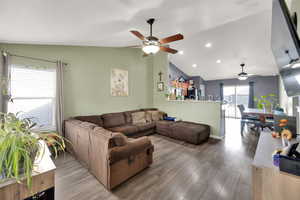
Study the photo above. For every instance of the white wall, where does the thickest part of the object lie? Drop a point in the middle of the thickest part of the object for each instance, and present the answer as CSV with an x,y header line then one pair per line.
x,y
285,102
295,7
289,3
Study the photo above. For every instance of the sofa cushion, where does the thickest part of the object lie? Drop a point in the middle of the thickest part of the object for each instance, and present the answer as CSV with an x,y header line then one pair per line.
x,y
115,139
119,139
88,125
113,120
128,151
106,133
138,117
75,121
156,115
164,127
145,126
126,129
95,119
148,116
128,117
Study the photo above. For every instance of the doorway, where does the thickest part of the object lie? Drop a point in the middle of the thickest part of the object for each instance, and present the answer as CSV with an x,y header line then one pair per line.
x,y
234,96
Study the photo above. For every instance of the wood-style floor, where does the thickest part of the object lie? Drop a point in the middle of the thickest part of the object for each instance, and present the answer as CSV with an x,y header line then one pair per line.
x,y
212,171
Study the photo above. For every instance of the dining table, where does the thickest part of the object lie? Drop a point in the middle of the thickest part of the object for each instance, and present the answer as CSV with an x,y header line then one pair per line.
x,y
262,112
265,118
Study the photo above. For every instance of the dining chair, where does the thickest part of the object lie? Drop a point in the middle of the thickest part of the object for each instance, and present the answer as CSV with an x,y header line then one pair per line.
x,y
255,125
248,120
246,116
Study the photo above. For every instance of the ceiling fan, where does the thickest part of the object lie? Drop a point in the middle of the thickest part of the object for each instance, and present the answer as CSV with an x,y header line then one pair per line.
x,y
152,45
243,75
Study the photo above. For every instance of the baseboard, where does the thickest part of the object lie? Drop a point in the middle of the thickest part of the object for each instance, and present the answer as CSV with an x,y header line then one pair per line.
x,y
216,137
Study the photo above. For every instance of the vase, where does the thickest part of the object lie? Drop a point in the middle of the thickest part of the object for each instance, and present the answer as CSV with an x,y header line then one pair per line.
x,y
267,109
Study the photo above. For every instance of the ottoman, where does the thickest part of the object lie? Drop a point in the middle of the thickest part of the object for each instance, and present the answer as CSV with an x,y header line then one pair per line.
x,y
190,132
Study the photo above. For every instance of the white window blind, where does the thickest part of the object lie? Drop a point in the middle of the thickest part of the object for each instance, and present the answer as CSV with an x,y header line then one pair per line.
x,y
33,95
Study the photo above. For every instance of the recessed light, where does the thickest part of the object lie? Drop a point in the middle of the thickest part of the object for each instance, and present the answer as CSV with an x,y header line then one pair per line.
x,y
218,61
208,45
194,65
180,52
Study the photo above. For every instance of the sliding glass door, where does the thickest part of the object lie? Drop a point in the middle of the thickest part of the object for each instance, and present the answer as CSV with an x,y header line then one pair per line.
x,y
234,96
229,98
242,98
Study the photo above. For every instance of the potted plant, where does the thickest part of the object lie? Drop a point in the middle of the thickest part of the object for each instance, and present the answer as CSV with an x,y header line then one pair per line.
x,y
267,102
19,145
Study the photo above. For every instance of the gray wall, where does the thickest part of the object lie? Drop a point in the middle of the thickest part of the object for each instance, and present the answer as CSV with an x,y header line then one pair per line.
x,y
174,73
263,85
197,81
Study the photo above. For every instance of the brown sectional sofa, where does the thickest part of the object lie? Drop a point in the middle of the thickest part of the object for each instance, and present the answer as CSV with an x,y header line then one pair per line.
x,y
111,157
122,122
114,149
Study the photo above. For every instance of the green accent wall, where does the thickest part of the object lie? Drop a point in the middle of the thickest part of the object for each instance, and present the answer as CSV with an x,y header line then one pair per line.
x,y
87,77
87,81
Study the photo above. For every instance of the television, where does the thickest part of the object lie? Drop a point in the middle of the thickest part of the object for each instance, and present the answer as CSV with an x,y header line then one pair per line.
x,y
285,45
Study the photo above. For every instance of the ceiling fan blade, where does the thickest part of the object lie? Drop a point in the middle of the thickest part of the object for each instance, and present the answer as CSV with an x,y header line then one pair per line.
x,y
169,50
138,34
171,39
134,46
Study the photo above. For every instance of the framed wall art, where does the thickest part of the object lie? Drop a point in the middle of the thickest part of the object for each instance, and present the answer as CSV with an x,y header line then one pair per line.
x,y
119,83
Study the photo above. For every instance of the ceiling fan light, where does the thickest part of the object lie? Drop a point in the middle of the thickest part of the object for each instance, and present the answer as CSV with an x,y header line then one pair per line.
x,y
150,49
243,78
297,65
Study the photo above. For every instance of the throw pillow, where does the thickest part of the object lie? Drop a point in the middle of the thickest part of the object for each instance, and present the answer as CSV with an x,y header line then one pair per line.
x,y
138,117
120,139
161,115
156,115
148,116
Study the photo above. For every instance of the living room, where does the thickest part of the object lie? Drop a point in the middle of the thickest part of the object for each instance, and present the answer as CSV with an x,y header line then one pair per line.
x,y
141,100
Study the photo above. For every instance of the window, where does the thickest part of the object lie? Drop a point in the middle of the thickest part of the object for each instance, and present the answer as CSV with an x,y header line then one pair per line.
x,y
33,95
234,96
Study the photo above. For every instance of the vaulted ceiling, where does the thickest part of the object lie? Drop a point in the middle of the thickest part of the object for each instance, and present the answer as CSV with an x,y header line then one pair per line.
x,y
238,30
